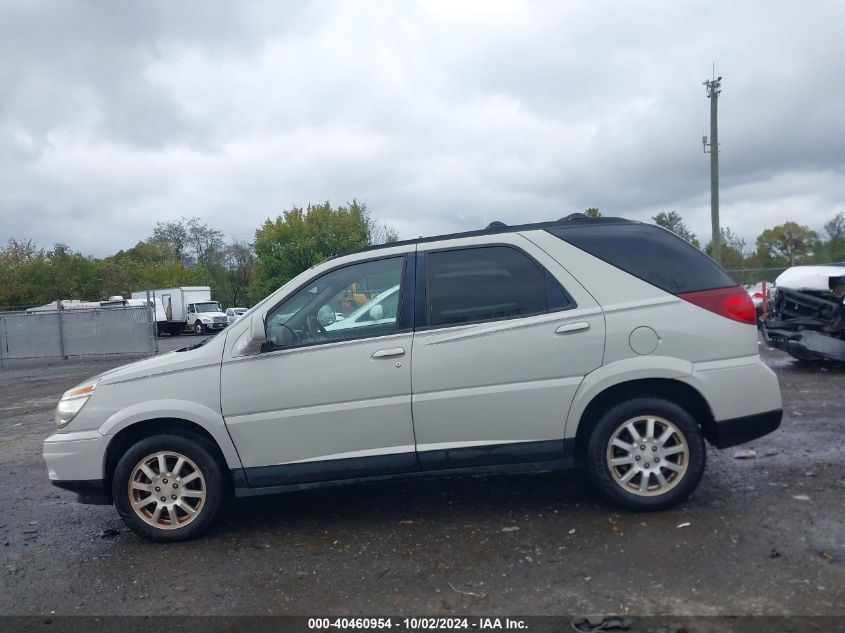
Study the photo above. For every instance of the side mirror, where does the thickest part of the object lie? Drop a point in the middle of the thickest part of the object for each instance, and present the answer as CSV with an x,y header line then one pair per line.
x,y
377,312
250,341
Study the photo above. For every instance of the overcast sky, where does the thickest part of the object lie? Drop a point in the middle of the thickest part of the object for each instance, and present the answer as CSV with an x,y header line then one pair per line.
x,y
440,115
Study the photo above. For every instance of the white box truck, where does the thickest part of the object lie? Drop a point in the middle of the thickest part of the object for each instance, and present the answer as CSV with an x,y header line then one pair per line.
x,y
187,308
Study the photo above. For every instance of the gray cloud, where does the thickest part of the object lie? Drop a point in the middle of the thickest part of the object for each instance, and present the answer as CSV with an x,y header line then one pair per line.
x,y
441,116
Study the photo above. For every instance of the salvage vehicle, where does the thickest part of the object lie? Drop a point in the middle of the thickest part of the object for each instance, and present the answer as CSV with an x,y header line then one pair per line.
x,y
605,343
807,320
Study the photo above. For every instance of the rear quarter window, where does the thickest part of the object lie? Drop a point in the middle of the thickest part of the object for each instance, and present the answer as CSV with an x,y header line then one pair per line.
x,y
650,253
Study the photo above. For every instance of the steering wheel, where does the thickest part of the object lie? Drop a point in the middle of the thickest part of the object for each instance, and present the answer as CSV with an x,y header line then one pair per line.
x,y
315,327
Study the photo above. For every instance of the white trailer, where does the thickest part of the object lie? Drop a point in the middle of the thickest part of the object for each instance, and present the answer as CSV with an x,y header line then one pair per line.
x,y
115,302
187,308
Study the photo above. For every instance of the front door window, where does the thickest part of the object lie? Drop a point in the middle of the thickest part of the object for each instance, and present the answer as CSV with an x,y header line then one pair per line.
x,y
357,301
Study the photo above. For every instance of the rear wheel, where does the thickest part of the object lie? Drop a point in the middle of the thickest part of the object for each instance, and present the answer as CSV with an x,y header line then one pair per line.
x,y
169,487
646,454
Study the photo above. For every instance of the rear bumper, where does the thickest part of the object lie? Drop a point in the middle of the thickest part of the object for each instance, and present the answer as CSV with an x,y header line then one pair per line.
x,y
727,433
743,396
736,388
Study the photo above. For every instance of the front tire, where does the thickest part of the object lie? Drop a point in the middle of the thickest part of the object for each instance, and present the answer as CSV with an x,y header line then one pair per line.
x,y
169,487
646,454
199,328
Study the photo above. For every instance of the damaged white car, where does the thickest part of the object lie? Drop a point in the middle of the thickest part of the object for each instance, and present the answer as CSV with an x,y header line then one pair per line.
x,y
808,316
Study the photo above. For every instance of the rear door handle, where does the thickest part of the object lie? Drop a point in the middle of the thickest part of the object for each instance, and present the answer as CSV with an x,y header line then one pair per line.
x,y
578,326
389,353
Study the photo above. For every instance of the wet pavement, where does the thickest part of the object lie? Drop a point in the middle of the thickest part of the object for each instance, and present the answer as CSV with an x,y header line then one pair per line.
x,y
760,536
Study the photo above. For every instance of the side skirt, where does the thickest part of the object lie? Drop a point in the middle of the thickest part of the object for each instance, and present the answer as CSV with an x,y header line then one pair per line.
x,y
534,467
517,458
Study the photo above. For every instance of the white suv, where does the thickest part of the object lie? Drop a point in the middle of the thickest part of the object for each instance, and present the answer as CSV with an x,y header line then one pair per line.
x,y
602,342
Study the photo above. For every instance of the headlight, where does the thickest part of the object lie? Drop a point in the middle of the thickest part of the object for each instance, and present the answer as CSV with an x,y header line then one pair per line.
x,y
205,319
72,402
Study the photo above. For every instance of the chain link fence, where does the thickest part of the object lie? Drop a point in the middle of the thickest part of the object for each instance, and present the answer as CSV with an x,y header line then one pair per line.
x,y
77,333
748,276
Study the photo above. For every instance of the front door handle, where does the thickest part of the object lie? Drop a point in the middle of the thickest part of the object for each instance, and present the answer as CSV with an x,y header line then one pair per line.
x,y
578,326
389,353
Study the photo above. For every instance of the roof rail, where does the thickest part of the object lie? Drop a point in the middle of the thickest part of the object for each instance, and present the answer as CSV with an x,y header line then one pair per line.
x,y
573,220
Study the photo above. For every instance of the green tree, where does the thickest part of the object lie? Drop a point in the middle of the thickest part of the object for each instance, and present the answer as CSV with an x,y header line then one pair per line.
x,y
190,240
235,274
172,238
592,212
193,253
733,248
675,223
60,274
16,256
301,238
835,245
206,244
786,243
150,264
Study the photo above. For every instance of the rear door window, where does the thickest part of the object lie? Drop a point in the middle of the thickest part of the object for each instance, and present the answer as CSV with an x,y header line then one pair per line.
x,y
487,283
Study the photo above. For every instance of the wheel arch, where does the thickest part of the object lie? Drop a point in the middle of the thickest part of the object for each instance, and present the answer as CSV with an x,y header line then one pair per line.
x,y
671,389
133,433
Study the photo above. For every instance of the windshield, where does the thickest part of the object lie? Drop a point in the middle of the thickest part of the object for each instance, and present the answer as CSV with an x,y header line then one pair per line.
x,y
208,306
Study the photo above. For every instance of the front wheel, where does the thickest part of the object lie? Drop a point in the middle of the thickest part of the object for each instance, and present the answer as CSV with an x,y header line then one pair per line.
x,y
646,454
199,328
169,487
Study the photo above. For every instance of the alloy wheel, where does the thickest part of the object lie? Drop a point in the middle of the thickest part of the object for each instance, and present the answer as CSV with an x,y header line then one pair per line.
x,y
647,455
167,490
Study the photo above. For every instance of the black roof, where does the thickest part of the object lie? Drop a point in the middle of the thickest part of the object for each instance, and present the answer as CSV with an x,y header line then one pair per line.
x,y
570,221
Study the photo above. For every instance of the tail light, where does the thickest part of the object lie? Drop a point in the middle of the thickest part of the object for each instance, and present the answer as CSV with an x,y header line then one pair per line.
x,y
733,303
758,295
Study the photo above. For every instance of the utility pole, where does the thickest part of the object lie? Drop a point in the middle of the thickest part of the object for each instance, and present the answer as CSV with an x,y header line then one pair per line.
x,y
714,88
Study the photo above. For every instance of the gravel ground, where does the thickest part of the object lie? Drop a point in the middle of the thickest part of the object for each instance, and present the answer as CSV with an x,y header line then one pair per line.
x,y
760,536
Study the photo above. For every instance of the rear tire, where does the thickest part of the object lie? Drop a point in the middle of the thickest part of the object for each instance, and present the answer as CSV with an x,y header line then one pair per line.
x,y
658,470
169,487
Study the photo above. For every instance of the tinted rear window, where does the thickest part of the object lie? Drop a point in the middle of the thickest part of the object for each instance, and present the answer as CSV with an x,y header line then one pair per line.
x,y
649,252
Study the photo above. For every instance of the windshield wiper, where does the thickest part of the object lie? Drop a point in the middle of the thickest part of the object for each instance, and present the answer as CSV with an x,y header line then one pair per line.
x,y
195,345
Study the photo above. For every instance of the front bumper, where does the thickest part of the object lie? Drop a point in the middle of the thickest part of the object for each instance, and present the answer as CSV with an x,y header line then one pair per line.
x,y
94,491
805,344
727,433
75,462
